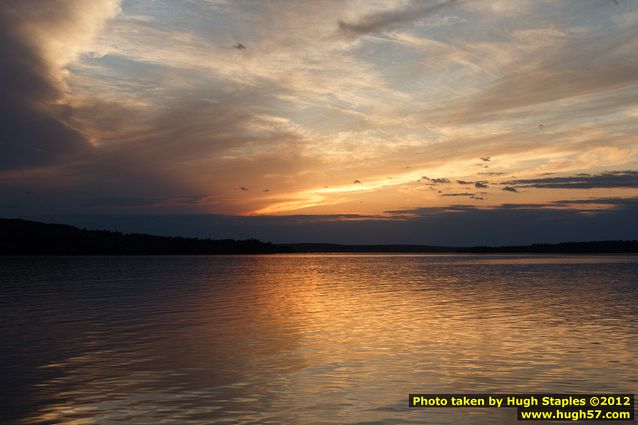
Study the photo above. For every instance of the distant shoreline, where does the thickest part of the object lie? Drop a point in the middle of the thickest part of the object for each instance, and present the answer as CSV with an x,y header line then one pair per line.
x,y
24,237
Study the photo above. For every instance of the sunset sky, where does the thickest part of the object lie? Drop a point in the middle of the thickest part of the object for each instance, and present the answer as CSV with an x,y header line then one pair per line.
x,y
447,122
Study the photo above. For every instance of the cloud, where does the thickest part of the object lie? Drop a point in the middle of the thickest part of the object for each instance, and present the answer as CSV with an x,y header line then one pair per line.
x,y
481,185
388,20
567,66
570,206
612,179
440,180
37,41
510,189
459,194
616,202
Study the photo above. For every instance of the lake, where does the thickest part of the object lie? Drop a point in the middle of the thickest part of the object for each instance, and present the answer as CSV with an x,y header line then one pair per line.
x,y
307,339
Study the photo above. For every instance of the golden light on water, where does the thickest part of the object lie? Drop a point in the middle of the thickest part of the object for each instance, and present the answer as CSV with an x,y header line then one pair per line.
x,y
306,338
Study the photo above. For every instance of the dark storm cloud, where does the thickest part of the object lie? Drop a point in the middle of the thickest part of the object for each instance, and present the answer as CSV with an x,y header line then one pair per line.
x,y
31,133
154,171
384,21
613,179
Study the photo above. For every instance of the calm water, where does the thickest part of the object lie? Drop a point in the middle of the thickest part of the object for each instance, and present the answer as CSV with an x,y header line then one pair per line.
x,y
307,339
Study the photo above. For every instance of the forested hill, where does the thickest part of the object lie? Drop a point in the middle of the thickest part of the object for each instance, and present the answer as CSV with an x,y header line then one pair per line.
x,y
23,237
596,247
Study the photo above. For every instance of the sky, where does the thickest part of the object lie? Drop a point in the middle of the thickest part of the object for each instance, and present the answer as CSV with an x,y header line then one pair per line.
x,y
450,122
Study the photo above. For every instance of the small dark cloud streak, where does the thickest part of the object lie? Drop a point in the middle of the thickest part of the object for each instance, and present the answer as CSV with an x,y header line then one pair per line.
x,y
611,179
459,194
388,20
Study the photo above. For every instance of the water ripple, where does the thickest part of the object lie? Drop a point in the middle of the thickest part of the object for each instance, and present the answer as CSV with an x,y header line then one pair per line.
x,y
307,339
